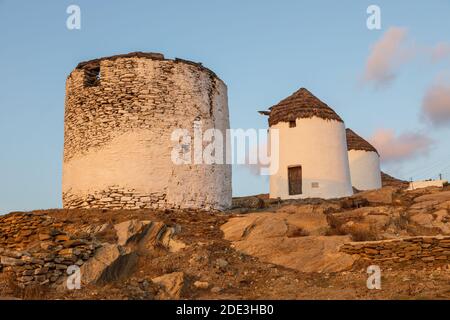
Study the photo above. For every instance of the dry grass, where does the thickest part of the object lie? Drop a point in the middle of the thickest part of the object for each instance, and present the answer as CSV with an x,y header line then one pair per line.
x,y
361,232
358,231
10,288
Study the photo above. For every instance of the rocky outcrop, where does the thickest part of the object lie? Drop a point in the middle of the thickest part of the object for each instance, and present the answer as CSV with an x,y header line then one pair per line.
x,y
279,224
251,202
146,235
115,261
128,229
306,254
172,284
429,212
96,268
37,250
281,238
436,197
381,196
368,223
388,180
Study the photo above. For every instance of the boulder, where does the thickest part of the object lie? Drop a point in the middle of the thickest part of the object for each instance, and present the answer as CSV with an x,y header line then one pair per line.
x,y
93,270
201,284
168,241
237,228
152,235
278,224
279,238
251,202
172,284
306,254
383,195
146,235
311,223
128,229
423,219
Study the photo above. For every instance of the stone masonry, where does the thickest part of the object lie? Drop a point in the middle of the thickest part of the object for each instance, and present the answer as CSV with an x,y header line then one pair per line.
x,y
36,251
117,198
417,250
120,113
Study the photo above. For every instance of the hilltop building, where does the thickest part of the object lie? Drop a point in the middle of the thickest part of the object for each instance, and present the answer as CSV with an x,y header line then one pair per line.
x,y
313,158
364,162
120,112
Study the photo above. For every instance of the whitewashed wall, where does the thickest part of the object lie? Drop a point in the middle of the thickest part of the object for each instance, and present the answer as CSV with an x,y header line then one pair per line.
x,y
117,151
364,169
425,184
320,147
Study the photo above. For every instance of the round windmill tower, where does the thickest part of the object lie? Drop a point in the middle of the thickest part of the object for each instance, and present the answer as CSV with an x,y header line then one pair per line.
x,y
364,162
313,160
120,116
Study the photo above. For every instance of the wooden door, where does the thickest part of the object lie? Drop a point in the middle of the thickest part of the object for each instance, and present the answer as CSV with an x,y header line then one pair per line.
x,y
295,180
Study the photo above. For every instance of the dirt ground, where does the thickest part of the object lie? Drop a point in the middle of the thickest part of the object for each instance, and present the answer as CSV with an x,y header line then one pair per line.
x,y
230,274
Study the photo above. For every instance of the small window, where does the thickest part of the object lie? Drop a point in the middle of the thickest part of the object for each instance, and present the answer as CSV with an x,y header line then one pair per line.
x,y
292,124
314,184
92,76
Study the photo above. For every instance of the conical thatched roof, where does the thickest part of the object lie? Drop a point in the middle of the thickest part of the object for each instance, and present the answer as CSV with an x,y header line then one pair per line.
x,y
355,142
301,104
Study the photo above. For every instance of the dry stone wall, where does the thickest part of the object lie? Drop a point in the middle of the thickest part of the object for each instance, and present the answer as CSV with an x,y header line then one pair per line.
x,y
116,197
120,113
36,251
422,249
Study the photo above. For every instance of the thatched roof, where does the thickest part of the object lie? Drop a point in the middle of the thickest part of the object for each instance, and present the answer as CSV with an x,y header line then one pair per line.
x,y
356,142
301,104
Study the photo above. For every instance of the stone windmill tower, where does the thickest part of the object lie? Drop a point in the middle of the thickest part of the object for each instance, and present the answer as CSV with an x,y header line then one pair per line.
x,y
313,160
364,162
120,112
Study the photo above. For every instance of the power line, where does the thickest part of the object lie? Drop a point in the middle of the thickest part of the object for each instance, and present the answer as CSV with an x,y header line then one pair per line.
x,y
428,170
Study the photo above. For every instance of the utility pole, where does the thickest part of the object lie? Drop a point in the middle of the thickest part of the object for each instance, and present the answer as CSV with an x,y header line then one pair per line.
x,y
440,176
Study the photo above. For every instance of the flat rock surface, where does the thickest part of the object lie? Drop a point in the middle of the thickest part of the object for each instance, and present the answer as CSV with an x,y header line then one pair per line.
x,y
437,196
277,238
305,254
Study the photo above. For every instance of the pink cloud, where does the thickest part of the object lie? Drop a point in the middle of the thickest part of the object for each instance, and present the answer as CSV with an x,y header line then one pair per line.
x,y
399,148
440,51
386,56
436,104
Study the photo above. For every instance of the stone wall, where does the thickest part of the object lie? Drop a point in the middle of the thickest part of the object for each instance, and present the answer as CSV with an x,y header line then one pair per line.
x,y
422,249
36,251
116,197
120,113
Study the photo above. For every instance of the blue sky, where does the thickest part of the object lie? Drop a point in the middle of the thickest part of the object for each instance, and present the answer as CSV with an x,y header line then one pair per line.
x,y
263,50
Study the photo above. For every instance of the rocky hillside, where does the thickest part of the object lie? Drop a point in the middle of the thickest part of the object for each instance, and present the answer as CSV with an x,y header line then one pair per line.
x,y
297,249
388,180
